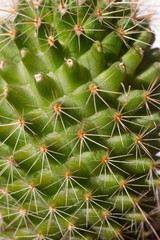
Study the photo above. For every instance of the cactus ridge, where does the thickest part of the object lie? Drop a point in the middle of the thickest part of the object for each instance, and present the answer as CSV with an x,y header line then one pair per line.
x,y
79,121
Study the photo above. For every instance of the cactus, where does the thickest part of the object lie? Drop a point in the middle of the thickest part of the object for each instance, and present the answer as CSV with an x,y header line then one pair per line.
x,y
79,117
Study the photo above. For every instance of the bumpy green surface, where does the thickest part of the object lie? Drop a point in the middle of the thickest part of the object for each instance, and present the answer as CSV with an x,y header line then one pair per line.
x,y
79,116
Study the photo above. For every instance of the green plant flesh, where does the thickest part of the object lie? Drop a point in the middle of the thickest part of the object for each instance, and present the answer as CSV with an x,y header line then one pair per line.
x,y
79,116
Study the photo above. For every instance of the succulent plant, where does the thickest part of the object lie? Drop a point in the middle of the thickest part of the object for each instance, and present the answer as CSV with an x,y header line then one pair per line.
x,y
79,116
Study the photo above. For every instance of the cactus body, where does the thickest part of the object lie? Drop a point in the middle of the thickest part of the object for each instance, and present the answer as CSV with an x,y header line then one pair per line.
x,y
79,117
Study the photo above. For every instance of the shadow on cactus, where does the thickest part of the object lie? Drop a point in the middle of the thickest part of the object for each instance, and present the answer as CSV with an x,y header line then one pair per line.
x,y
79,122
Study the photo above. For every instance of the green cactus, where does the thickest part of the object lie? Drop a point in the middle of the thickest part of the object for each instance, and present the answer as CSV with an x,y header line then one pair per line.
x,y
79,117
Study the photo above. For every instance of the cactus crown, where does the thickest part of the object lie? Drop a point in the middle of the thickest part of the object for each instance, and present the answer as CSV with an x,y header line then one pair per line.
x,y
79,116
